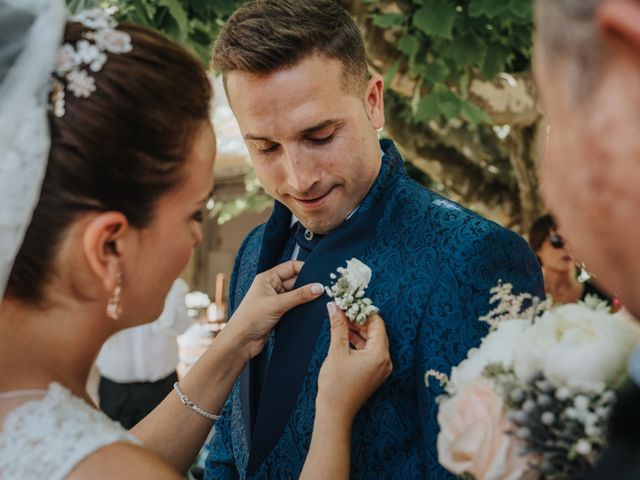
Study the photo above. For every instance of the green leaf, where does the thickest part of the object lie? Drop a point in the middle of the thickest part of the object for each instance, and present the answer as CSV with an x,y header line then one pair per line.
x,y
179,14
436,72
428,108
465,80
223,8
489,8
388,77
467,50
474,114
521,8
143,13
417,66
388,20
408,44
441,101
77,5
449,103
436,18
496,60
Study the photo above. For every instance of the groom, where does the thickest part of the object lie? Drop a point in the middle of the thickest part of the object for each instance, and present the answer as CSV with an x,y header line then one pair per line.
x,y
297,81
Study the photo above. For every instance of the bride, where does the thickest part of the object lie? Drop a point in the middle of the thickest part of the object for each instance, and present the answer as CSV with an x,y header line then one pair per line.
x,y
106,168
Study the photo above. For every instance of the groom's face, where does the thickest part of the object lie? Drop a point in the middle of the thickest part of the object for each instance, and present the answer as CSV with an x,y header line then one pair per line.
x,y
312,141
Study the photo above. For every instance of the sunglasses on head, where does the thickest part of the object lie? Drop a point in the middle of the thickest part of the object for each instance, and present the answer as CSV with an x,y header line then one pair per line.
x,y
556,240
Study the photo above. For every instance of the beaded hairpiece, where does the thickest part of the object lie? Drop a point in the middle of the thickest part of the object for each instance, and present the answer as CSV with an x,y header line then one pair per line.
x,y
75,62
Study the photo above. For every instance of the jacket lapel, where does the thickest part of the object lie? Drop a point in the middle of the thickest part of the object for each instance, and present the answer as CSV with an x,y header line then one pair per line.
x,y
274,250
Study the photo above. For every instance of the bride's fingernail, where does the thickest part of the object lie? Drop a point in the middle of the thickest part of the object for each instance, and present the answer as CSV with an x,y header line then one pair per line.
x,y
317,288
331,307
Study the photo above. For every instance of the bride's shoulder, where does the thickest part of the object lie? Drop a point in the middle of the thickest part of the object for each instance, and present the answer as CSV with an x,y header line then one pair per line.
x,y
125,461
64,434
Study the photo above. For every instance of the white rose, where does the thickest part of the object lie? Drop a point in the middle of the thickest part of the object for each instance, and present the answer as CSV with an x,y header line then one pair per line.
x,y
497,347
358,274
577,347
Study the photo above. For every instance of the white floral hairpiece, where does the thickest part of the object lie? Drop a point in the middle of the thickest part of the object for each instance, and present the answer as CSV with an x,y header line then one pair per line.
x,y
74,62
348,291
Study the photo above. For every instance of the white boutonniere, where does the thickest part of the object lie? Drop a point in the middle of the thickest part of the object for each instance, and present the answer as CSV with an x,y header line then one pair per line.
x,y
349,289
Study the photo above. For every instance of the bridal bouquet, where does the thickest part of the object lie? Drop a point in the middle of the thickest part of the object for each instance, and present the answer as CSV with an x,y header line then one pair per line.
x,y
534,399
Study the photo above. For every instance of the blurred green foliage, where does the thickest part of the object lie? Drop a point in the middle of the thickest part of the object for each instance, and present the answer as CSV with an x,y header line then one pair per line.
x,y
193,23
443,44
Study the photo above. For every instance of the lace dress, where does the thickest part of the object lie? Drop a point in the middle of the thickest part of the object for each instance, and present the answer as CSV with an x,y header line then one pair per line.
x,y
46,438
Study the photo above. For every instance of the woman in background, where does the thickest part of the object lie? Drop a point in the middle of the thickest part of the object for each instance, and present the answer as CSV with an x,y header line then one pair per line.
x,y
559,268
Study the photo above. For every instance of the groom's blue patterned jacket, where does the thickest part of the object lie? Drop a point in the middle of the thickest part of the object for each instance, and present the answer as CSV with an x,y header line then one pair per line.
x,y
433,264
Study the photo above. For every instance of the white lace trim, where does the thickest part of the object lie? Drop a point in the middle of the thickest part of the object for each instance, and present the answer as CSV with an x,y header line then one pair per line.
x,y
47,438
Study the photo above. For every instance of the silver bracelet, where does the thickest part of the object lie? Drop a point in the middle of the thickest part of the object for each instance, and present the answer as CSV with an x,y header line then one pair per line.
x,y
189,403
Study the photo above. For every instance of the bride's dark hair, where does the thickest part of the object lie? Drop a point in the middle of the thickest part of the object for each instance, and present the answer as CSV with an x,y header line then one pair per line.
x,y
119,150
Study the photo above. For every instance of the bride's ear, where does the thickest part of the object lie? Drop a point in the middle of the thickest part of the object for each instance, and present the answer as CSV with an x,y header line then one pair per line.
x,y
103,243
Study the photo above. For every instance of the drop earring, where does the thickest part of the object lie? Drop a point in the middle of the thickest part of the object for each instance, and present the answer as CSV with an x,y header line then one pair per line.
x,y
114,310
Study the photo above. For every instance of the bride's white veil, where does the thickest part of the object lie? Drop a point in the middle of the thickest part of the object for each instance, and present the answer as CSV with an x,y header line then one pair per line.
x,y
30,34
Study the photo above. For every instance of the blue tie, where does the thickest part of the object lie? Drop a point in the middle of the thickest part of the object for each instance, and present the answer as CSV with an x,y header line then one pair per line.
x,y
306,240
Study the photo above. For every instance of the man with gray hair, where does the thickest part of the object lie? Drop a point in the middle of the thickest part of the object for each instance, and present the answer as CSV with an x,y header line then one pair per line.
x,y
587,68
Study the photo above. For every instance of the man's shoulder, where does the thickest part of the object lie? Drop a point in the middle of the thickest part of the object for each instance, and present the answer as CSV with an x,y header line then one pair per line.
x,y
445,215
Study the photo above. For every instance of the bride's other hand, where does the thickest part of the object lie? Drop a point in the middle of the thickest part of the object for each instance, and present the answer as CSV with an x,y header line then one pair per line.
x,y
349,376
270,296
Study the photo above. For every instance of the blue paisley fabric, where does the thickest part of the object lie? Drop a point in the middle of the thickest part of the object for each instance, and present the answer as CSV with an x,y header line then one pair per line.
x,y
433,265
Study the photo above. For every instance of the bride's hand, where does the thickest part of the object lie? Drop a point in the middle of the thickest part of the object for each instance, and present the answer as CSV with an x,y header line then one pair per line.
x,y
269,297
349,376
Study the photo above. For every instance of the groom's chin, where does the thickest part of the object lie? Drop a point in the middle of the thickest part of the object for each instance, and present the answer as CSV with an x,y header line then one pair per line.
x,y
321,221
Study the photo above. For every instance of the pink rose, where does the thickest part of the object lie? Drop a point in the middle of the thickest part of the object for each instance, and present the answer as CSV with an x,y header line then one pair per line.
x,y
473,437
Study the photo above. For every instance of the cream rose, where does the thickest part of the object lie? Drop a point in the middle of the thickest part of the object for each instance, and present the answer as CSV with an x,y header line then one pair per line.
x,y
577,347
473,436
497,347
358,273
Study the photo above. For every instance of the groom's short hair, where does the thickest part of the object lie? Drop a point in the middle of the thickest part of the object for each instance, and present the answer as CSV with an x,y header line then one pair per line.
x,y
264,36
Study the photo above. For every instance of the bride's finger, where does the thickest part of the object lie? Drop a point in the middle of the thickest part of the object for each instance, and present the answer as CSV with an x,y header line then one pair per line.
x,y
377,333
288,300
360,330
286,270
288,284
356,340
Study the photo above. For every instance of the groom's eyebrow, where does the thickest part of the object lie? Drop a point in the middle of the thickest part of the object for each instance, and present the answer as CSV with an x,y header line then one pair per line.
x,y
251,136
321,125
306,131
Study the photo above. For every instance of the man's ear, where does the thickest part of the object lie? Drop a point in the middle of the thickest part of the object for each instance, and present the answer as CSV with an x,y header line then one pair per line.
x,y
620,21
374,101
103,244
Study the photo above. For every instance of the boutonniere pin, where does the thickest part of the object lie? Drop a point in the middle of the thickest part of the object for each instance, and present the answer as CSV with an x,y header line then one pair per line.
x,y
348,291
